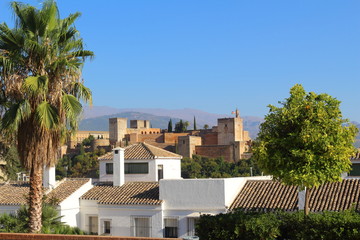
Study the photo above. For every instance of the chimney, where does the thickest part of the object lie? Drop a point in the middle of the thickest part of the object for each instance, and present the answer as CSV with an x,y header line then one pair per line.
x,y
118,167
49,177
301,199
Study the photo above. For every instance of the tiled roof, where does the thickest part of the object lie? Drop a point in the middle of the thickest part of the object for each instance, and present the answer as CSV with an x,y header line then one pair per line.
x,y
15,193
66,188
266,194
274,195
356,156
132,193
142,151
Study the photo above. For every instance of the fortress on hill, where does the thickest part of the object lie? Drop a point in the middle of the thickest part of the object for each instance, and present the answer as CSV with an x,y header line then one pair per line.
x,y
228,139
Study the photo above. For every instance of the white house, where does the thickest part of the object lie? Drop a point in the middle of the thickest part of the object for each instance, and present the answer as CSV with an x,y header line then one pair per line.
x,y
138,204
65,193
142,162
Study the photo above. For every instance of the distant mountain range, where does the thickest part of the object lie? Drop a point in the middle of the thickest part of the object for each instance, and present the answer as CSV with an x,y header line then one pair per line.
x,y
97,118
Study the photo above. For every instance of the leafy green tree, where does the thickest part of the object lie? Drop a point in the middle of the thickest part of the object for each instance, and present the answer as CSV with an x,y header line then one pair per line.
x,y
203,167
305,142
13,164
170,126
181,126
41,87
195,123
88,141
206,126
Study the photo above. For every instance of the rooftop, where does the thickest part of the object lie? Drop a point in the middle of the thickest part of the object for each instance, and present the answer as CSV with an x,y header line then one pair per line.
x,y
132,193
270,195
142,151
16,193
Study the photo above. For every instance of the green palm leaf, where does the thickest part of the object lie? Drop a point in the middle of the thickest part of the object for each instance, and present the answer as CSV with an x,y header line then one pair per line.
x,y
15,115
81,92
71,105
47,115
36,85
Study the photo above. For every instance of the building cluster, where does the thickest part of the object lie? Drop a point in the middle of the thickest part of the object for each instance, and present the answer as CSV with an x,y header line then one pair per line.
x,y
140,193
228,139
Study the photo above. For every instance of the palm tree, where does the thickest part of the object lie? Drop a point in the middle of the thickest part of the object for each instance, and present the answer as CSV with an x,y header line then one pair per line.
x,y
40,88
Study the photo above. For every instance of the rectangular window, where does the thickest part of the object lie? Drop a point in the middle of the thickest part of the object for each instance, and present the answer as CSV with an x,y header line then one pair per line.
x,y
109,168
191,226
136,168
107,227
93,225
170,228
141,226
160,172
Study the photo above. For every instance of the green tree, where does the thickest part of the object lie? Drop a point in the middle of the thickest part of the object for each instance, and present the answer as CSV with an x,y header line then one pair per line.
x,y
206,126
305,142
170,126
195,123
41,87
13,164
88,141
181,126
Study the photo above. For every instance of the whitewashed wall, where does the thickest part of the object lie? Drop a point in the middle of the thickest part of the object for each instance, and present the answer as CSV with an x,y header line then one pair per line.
x,y
88,208
120,217
69,209
171,168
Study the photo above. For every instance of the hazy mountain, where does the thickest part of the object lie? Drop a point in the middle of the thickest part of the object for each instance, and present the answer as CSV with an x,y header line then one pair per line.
x,y
102,123
96,118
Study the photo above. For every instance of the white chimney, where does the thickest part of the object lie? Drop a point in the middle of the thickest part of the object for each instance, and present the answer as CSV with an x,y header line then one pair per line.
x,y
301,199
49,177
118,167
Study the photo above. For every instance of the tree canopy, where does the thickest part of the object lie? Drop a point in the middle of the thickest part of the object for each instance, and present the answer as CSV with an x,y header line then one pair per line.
x,y
305,142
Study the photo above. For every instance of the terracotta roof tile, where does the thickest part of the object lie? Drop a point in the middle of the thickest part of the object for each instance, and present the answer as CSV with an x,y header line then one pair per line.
x,y
142,151
262,194
138,193
15,193
66,188
269,195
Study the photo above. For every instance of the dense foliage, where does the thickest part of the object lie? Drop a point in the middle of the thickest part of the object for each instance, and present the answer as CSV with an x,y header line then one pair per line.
x,y
305,142
18,222
203,167
279,225
84,164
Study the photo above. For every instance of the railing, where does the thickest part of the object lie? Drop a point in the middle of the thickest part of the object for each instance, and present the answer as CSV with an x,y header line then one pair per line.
x,y
28,236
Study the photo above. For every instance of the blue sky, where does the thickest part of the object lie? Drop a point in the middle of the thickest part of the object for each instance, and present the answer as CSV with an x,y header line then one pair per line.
x,y
217,55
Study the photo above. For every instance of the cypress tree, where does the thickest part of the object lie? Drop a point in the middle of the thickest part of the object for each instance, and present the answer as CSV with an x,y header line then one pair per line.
x,y
195,123
170,128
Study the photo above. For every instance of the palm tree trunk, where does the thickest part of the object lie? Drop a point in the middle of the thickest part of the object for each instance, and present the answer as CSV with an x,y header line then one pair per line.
x,y
35,199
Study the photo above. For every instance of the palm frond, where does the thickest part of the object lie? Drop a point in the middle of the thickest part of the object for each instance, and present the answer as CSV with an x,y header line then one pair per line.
x,y
71,106
47,115
36,85
81,92
15,115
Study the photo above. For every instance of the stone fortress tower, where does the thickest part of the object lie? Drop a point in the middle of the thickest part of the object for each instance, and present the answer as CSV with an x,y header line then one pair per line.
x,y
228,139
232,142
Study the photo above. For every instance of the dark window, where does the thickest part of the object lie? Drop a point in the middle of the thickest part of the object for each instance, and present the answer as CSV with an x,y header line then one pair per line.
x,y
109,168
116,151
107,226
160,172
136,168
171,228
355,170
